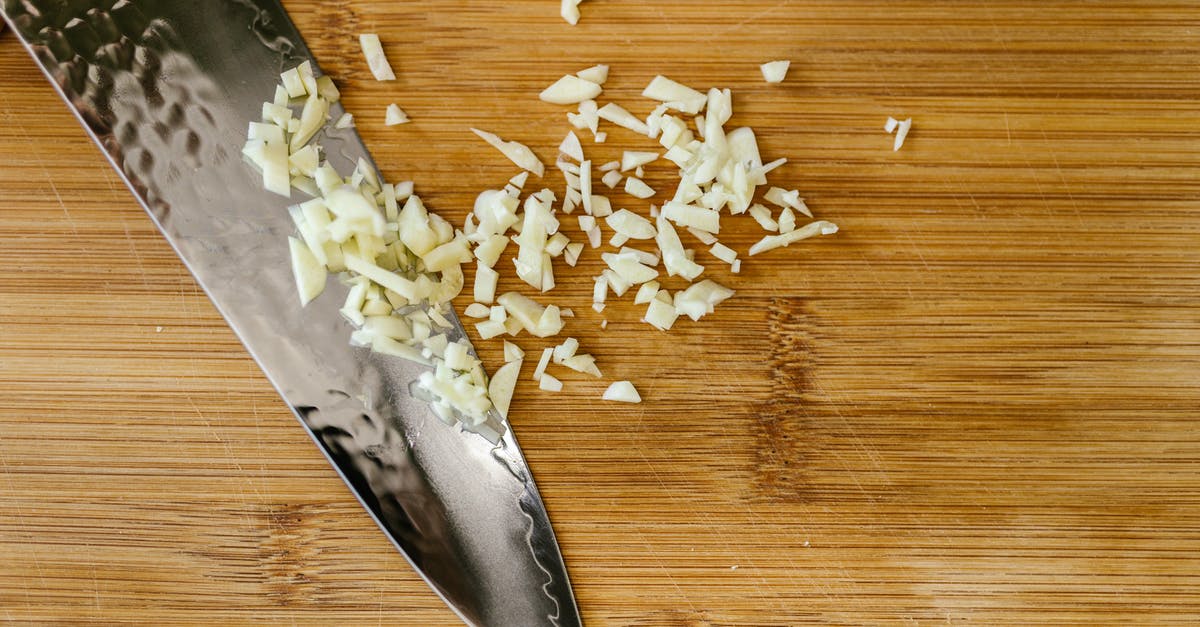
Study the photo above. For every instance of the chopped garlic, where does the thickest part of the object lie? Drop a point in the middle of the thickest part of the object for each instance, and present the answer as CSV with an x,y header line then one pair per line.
x,y
310,274
512,352
292,83
601,206
890,126
784,198
618,284
404,190
643,256
540,370
705,237
585,185
678,96
646,292
631,159
518,153
489,251
549,383
538,320
532,242
571,254
723,252
569,10
762,215
736,266
588,117
674,258
565,351
570,90
394,256
477,310
622,391
775,71
600,289
601,137
692,216
489,329
556,244
772,242
596,74
583,363
346,121
661,315
701,298
637,188
901,133
679,156
395,115
630,224
486,280
570,146
787,220
503,383
376,60
629,268
619,116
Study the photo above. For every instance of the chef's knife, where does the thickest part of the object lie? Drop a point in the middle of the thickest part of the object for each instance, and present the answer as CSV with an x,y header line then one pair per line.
x,y
166,87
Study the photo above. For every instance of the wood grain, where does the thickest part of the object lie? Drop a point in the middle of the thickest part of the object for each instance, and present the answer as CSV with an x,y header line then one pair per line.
x,y
976,404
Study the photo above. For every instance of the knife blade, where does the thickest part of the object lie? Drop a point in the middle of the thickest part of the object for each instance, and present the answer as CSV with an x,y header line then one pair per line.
x,y
165,88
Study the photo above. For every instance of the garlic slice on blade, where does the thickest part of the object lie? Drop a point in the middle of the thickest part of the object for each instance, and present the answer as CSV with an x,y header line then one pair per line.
x,y
310,275
502,385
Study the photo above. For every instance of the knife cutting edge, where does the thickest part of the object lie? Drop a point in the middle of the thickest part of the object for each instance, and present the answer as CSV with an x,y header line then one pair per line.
x,y
165,87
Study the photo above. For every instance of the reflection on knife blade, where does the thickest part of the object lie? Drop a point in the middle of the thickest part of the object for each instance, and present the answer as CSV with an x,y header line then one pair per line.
x,y
165,95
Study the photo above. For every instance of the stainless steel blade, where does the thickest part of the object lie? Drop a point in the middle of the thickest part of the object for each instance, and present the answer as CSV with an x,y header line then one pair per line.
x,y
166,89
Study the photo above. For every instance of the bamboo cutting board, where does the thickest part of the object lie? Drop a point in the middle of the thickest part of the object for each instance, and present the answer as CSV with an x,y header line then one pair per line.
x,y
976,404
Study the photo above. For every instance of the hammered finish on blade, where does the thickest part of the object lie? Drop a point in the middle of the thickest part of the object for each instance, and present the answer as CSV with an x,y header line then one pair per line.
x,y
166,90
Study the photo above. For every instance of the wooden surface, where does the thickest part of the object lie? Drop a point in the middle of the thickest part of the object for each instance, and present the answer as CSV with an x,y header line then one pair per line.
x,y
977,404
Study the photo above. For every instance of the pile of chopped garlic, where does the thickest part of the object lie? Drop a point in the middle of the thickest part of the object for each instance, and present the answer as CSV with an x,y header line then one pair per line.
x,y
404,264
